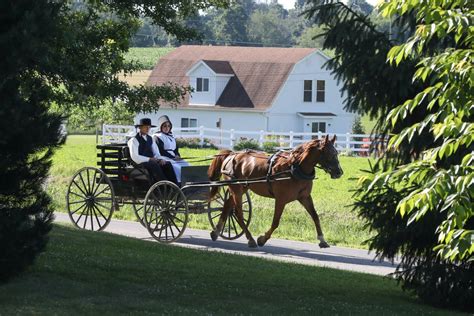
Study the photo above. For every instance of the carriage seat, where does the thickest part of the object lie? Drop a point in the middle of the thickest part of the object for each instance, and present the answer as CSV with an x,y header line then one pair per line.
x,y
133,170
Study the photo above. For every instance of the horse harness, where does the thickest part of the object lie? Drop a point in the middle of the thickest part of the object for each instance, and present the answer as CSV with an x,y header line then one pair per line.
x,y
295,170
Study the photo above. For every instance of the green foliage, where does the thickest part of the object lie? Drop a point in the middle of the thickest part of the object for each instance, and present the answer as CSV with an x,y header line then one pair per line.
x,y
311,37
230,25
357,127
85,119
28,132
69,54
361,6
243,144
444,174
270,146
268,28
418,197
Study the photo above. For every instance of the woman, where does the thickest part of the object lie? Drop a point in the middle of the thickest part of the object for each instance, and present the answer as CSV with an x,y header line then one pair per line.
x,y
167,146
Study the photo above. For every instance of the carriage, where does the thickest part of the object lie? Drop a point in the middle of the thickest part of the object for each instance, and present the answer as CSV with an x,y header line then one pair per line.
x,y
163,208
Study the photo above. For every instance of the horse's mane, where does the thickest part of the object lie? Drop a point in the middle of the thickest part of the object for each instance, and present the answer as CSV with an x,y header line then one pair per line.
x,y
298,154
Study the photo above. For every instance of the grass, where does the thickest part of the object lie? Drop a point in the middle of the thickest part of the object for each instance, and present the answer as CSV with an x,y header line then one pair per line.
x,y
332,198
147,56
99,273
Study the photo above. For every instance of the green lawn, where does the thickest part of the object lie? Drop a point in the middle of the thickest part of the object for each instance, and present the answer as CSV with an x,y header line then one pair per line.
x,y
98,273
332,198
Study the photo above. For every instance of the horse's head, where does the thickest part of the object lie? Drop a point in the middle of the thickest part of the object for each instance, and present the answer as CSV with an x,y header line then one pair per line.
x,y
328,158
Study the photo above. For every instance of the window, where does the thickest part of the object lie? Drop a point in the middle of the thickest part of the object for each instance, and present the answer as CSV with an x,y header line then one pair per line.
x,y
320,90
308,91
188,122
202,84
318,127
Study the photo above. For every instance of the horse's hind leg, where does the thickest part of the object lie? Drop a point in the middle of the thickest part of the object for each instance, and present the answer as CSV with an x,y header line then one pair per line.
x,y
220,224
279,206
240,217
308,204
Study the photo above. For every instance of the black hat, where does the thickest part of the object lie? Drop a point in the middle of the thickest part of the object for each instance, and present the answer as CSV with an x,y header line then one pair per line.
x,y
145,121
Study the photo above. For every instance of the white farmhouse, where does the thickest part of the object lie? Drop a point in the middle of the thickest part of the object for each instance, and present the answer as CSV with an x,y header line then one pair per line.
x,y
252,89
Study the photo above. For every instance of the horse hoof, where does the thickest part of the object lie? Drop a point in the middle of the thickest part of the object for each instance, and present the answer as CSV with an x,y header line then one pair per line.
x,y
252,244
323,244
261,241
213,236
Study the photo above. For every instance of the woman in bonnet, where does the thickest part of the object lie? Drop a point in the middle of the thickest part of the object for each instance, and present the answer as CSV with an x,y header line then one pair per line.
x,y
167,145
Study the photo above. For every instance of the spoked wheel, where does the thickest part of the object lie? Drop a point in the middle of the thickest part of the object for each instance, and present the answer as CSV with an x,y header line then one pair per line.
x,y
165,211
138,209
90,199
231,229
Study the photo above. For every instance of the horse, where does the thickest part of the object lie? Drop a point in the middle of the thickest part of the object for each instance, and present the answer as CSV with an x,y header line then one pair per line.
x,y
297,165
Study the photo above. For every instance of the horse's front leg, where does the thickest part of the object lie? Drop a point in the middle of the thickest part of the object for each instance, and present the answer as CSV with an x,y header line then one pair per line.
x,y
307,202
279,206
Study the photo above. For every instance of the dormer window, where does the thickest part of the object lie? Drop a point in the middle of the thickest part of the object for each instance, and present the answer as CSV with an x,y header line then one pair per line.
x,y
202,84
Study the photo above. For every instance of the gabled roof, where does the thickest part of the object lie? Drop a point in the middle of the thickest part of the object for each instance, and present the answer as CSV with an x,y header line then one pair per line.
x,y
259,72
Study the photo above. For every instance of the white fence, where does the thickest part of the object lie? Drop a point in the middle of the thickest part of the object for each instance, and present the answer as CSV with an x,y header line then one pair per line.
x,y
228,138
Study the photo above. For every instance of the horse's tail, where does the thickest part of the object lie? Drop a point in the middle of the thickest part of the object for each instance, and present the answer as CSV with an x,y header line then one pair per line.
x,y
214,171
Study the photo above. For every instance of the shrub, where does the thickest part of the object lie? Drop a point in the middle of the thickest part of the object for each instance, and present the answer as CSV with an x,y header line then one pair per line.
x,y
270,147
247,144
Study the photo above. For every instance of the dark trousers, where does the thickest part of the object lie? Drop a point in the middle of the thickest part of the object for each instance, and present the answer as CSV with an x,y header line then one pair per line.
x,y
158,172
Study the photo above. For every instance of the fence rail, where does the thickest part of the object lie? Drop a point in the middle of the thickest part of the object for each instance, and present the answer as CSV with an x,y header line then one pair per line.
x,y
229,138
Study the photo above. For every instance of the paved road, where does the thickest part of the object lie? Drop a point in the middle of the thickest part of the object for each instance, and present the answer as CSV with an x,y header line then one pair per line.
x,y
275,249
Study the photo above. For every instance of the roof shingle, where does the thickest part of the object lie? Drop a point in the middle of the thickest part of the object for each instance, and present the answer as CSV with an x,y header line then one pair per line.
x,y
259,71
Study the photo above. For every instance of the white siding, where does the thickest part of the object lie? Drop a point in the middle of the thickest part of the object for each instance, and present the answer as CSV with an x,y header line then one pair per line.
x,y
207,98
282,116
237,120
217,84
289,101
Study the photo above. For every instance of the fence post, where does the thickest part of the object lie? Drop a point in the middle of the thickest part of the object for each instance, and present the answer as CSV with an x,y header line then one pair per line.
x,y
231,136
103,134
260,139
201,136
291,139
348,140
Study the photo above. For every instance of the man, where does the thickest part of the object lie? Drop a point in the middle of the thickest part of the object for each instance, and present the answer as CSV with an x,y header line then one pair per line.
x,y
144,152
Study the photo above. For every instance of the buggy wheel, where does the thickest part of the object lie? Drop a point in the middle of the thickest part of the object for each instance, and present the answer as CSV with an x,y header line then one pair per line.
x,y
231,229
165,211
138,209
90,199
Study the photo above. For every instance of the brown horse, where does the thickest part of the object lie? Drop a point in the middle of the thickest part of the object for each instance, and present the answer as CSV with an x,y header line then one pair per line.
x,y
299,164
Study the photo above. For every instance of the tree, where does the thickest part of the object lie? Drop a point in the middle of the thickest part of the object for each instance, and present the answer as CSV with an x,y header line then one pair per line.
x,y
269,28
69,53
311,37
229,25
357,127
418,197
361,6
